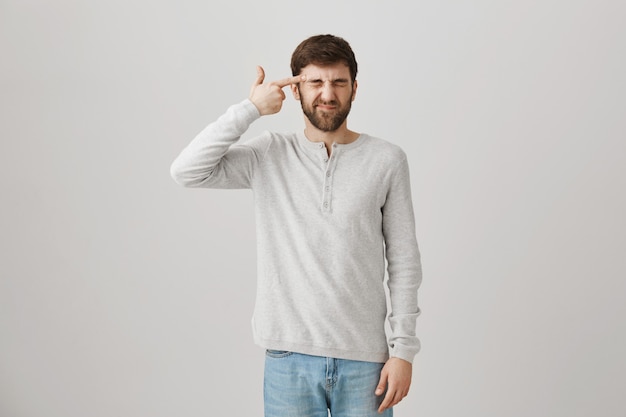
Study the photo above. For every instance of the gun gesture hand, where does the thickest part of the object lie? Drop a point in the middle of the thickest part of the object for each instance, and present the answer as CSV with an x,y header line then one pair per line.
x,y
268,98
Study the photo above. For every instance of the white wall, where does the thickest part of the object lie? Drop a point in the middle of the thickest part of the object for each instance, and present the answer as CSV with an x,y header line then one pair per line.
x,y
123,294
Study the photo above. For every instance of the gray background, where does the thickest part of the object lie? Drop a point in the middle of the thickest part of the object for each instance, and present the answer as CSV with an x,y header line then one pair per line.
x,y
123,294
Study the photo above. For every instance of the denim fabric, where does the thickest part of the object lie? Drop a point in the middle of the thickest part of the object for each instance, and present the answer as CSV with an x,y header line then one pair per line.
x,y
297,385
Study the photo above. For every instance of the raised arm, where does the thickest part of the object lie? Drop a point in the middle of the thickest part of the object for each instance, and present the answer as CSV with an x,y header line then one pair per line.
x,y
213,158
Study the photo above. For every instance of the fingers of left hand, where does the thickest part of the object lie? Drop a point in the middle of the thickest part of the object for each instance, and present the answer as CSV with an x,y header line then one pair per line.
x,y
388,400
393,397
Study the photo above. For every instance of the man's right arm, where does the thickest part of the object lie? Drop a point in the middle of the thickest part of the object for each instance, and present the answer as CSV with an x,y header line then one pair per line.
x,y
211,160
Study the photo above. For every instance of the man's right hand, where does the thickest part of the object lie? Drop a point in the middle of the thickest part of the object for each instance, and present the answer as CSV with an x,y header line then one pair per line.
x,y
268,98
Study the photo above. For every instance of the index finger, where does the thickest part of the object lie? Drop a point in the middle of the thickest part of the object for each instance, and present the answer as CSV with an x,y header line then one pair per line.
x,y
291,80
386,403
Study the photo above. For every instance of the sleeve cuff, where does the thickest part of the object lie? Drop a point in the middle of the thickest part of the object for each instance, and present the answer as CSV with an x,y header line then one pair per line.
x,y
404,352
252,113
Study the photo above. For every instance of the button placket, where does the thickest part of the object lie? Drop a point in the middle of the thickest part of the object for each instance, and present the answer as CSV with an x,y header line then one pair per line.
x,y
323,154
328,180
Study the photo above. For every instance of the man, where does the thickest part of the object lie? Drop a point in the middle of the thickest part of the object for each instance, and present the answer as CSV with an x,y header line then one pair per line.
x,y
330,206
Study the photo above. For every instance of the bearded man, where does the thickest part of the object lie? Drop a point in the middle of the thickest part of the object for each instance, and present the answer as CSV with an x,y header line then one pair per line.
x,y
332,206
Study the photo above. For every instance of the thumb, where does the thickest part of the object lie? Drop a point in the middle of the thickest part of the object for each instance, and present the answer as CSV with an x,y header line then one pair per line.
x,y
382,383
260,75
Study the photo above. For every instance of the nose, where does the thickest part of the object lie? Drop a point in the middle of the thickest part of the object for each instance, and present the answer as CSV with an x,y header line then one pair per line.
x,y
328,92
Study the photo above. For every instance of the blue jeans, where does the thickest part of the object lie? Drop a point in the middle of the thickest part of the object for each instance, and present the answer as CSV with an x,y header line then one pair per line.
x,y
297,385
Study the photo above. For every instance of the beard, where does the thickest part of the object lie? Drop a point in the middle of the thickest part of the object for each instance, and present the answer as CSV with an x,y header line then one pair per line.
x,y
326,121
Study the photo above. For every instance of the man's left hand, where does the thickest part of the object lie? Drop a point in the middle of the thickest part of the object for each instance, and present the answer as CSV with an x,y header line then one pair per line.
x,y
396,377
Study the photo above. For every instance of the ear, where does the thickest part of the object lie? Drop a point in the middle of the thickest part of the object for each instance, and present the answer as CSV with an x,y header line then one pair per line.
x,y
295,91
354,86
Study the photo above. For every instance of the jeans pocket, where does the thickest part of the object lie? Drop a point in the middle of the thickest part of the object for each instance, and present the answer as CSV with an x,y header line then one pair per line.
x,y
277,353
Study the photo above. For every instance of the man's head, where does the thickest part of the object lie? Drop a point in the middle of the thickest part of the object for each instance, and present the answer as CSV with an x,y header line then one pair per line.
x,y
323,50
330,68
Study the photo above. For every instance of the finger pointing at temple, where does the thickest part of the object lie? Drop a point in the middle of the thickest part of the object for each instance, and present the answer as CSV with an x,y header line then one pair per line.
x,y
268,98
290,80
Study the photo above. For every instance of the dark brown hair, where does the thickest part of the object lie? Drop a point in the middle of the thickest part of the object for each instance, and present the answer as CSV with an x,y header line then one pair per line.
x,y
323,50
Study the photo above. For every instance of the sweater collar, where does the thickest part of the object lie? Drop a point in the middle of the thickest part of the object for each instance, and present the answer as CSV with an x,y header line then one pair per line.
x,y
316,146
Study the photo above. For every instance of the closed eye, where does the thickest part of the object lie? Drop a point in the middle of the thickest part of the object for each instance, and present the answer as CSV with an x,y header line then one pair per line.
x,y
340,82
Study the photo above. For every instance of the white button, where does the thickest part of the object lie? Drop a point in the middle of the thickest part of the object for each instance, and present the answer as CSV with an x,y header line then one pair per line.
x,y
327,188
325,204
321,145
328,174
325,159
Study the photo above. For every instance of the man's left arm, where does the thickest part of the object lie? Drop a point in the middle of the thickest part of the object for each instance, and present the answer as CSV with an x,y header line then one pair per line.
x,y
405,275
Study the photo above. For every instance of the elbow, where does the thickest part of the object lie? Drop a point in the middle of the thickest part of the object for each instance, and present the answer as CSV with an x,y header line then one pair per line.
x,y
177,174
182,176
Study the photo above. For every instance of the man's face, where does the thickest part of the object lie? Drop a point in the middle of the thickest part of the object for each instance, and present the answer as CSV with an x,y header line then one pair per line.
x,y
326,95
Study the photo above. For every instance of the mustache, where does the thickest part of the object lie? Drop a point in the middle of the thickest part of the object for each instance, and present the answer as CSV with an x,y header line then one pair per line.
x,y
326,103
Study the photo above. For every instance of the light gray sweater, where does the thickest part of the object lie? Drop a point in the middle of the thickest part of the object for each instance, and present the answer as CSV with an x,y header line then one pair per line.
x,y
325,226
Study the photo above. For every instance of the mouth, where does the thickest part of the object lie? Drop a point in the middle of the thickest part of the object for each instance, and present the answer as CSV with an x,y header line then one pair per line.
x,y
326,107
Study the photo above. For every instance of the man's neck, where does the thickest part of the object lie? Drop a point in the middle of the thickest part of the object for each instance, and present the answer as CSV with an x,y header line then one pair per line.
x,y
342,135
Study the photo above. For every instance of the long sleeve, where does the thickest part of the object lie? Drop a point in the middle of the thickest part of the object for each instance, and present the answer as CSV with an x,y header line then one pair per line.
x,y
214,159
404,266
